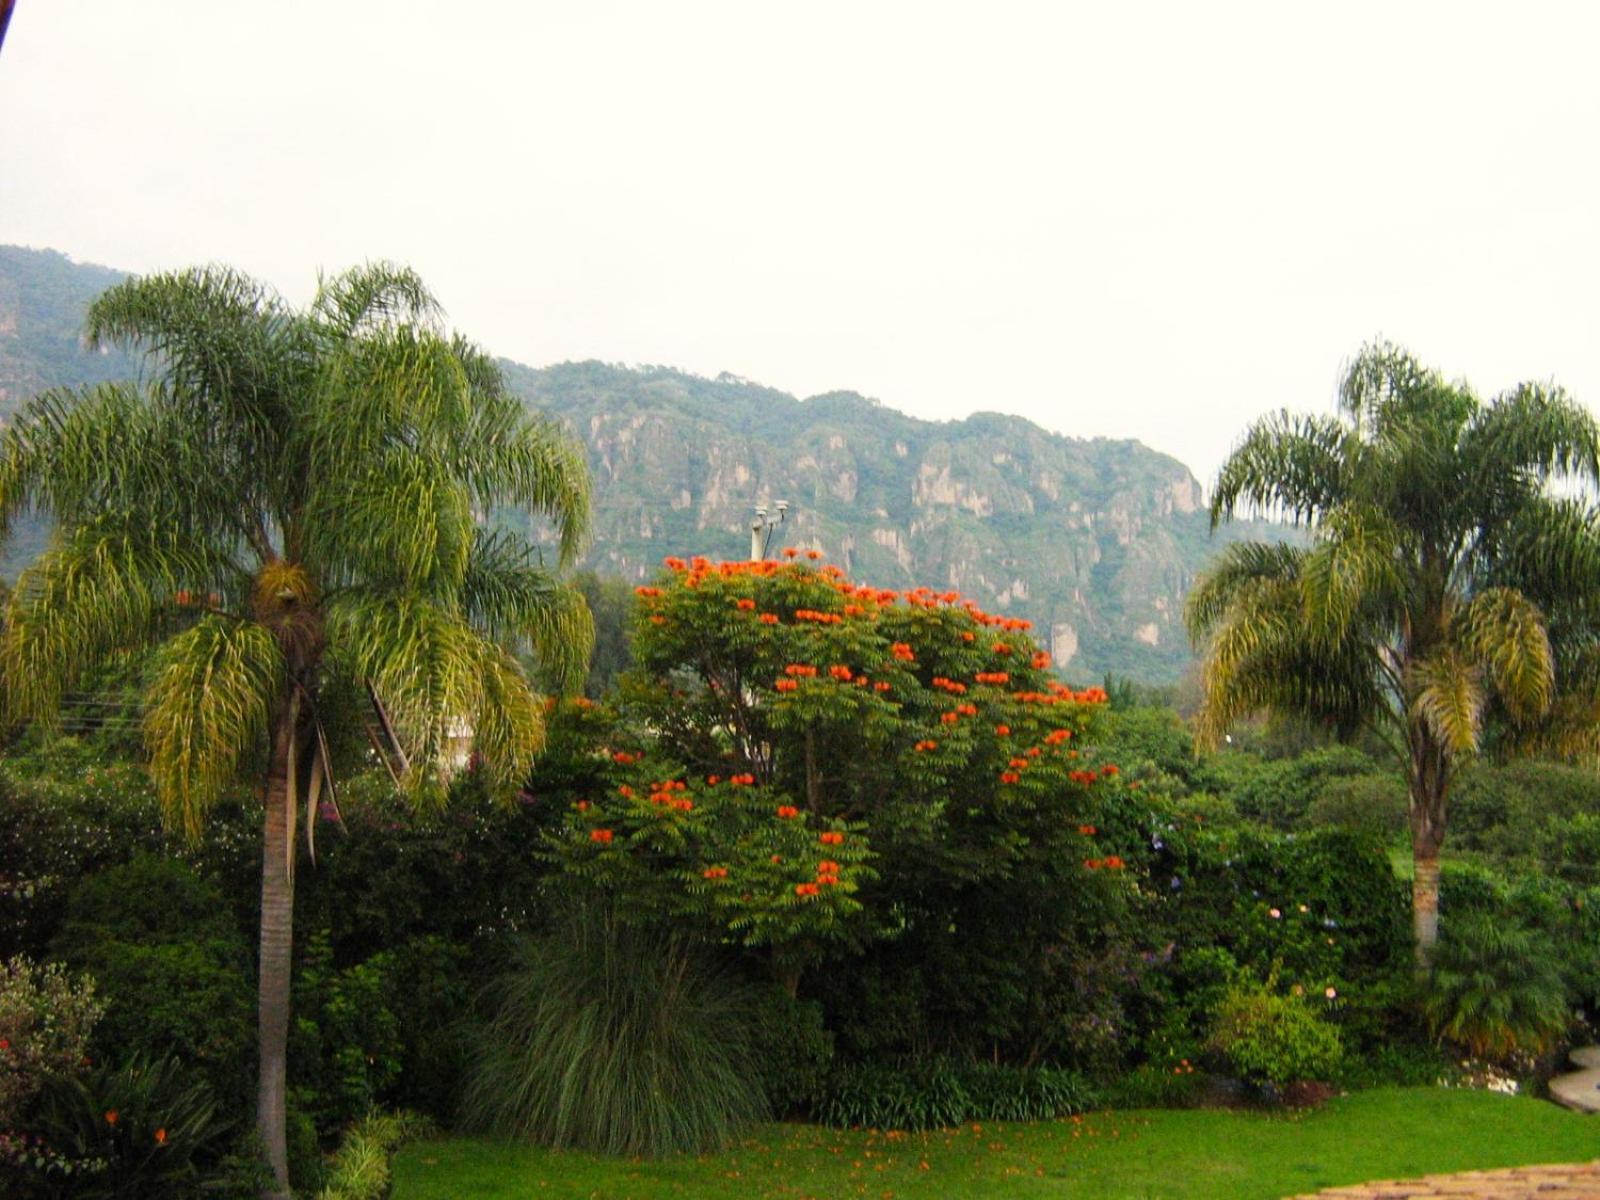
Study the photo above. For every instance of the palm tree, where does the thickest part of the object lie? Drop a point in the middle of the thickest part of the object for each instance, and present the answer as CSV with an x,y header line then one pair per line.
x,y
293,499
1445,585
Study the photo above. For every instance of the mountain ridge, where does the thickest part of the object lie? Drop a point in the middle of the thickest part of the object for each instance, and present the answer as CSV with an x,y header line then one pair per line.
x,y
1094,539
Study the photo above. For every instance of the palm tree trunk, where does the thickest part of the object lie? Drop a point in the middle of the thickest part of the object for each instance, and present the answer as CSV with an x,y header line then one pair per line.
x,y
277,929
1430,783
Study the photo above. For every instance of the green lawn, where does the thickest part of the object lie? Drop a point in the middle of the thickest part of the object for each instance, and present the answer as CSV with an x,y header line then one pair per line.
x,y
1383,1133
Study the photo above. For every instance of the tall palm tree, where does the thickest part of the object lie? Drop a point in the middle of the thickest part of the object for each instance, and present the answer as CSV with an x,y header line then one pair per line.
x,y
1446,584
293,497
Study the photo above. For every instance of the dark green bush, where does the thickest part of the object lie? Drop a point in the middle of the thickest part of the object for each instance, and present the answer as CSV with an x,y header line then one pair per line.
x,y
617,1038
174,971
938,1093
145,1128
1495,987
793,1052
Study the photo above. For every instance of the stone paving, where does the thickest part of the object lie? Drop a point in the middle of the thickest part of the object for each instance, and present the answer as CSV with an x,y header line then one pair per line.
x,y
1581,1088
1569,1181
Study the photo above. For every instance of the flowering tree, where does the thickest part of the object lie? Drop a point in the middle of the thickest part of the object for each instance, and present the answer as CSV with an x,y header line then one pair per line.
x,y
816,743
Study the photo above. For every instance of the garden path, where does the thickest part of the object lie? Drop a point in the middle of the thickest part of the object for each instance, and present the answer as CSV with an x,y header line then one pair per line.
x,y
1580,1089
1566,1181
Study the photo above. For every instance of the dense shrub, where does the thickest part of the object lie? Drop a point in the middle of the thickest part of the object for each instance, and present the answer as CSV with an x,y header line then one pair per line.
x,y
609,1036
793,1051
1280,793
1495,987
173,968
46,1019
937,1093
1268,1038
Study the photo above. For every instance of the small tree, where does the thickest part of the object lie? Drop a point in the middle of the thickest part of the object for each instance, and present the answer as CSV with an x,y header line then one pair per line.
x,y
813,736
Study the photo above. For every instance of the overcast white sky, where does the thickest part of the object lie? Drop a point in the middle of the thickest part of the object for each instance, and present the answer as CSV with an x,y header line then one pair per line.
x,y
1119,219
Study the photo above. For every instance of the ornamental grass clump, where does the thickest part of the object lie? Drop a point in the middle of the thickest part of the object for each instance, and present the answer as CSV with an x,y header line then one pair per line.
x,y
618,1039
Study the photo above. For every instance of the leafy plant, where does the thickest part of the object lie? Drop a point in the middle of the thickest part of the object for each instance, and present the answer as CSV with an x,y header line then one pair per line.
x,y
1496,988
359,1169
938,1093
147,1128
46,1019
617,1038
1274,1039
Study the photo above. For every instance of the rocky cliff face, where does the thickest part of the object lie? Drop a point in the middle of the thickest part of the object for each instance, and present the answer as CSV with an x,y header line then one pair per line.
x,y
1096,541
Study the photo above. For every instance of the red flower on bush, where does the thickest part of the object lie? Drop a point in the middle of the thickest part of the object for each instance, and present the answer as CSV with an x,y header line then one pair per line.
x,y
788,811
603,836
715,872
1009,777
1002,731
746,605
831,837
769,618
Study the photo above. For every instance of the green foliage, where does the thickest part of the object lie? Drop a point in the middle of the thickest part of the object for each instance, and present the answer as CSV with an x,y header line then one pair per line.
x,y
611,1037
793,1052
939,1093
359,1169
1496,988
1283,793
46,1018
173,968
144,1129
1267,1038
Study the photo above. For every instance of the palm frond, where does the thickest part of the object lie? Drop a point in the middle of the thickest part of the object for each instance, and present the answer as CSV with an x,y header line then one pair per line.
x,y
1505,632
374,294
513,457
205,710
1285,464
1381,378
1239,566
513,599
424,663
1447,696
99,589
1532,428
1354,564
395,515
507,725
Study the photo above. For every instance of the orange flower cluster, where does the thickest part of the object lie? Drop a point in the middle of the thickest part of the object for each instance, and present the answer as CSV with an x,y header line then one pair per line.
x,y
788,811
582,806
787,685
800,670
745,604
992,677
657,619
625,792
715,872
742,780
623,757
806,889
831,837
646,592
1110,769
1018,764
1056,736
769,618
841,673
948,685
1083,777
1002,731
950,718
1114,863
819,618
1087,830
903,652
1041,661
881,686
1001,648
827,867
1010,777
603,836
925,745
